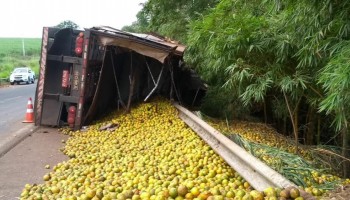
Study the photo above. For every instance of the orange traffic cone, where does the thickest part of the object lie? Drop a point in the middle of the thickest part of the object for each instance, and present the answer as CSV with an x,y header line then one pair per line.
x,y
30,112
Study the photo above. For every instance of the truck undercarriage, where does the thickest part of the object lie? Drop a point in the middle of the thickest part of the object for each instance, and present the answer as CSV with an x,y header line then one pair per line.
x,y
84,74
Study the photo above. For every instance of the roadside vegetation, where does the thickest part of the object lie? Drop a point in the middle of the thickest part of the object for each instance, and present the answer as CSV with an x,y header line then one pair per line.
x,y
18,52
12,55
282,63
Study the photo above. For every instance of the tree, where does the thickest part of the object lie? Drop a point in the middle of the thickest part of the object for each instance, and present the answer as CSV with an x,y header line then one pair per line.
x,y
284,56
139,26
67,24
283,61
170,18
335,79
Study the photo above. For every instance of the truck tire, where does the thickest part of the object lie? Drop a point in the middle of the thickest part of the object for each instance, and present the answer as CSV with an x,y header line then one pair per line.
x,y
12,83
28,80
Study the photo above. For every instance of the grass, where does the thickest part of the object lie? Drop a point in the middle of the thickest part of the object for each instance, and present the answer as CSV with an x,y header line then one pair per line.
x,y
11,54
314,168
294,167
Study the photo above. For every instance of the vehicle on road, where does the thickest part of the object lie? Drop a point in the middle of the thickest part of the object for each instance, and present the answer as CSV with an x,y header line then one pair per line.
x,y
22,74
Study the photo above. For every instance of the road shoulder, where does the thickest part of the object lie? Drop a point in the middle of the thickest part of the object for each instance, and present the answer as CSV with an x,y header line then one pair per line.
x,y
15,138
25,163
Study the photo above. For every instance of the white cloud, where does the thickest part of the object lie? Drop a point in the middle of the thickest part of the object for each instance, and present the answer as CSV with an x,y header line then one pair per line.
x,y
26,18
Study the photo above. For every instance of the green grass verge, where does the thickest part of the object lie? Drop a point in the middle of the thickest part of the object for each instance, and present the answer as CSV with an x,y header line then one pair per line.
x,y
11,54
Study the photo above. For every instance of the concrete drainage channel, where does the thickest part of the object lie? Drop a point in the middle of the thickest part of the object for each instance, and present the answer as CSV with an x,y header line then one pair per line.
x,y
257,173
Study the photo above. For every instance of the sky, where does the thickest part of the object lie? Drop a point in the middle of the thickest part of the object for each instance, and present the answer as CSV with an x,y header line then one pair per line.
x,y
26,18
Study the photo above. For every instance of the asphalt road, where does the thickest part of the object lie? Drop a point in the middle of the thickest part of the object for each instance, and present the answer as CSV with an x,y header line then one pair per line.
x,y
13,106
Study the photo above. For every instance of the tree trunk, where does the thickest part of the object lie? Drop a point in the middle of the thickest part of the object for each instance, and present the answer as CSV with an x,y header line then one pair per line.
x,y
345,151
296,130
265,112
310,127
318,137
294,119
285,126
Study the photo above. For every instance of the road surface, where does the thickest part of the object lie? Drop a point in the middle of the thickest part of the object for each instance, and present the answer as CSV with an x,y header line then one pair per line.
x,y
13,106
25,162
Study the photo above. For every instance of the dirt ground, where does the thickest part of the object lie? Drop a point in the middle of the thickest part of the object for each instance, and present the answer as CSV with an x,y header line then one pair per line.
x,y
341,193
2,85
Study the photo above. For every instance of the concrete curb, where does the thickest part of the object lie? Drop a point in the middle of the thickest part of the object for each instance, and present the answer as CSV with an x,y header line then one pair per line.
x,y
16,138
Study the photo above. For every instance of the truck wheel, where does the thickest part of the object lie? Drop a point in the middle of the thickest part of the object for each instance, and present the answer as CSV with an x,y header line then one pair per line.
x,y
28,81
12,83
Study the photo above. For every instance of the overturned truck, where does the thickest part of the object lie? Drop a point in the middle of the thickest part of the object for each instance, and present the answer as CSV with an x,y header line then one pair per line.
x,y
85,74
